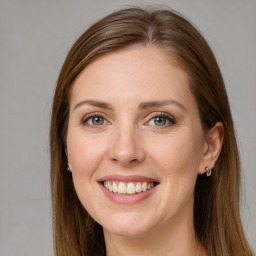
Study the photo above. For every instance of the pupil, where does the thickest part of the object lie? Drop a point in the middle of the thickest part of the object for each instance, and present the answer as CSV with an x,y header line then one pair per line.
x,y
97,120
160,121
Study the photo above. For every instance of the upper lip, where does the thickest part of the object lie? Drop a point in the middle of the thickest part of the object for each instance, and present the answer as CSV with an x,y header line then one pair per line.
x,y
132,178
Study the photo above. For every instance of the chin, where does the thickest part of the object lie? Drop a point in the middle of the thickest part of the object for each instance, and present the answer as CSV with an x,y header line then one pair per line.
x,y
126,231
130,225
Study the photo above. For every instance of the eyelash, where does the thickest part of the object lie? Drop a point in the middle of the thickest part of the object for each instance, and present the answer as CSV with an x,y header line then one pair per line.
x,y
91,116
167,116
170,119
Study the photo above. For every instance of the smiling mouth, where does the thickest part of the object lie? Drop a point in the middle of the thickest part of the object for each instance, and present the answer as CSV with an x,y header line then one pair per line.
x,y
128,188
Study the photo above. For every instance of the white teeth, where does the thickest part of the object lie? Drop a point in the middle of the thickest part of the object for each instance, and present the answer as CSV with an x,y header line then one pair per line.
x,y
121,188
144,186
110,187
114,186
127,188
138,188
130,188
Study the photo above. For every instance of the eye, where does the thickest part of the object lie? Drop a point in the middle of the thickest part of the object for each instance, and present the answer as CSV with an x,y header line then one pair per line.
x,y
94,120
162,119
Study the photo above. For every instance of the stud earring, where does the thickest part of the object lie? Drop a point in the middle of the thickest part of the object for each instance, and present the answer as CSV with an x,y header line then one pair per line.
x,y
208,171
68,167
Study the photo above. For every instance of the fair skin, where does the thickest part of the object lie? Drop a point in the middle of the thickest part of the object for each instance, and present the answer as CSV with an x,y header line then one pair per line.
x,y
133,121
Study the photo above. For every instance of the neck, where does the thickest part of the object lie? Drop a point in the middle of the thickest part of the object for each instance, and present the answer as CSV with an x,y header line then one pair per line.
x,y
173,238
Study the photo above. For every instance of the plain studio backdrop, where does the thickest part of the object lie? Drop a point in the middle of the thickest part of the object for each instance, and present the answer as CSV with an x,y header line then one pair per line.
x,y
35,37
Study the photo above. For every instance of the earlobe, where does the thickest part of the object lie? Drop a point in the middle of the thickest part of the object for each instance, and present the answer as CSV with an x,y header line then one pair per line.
x,y
213,146
69,167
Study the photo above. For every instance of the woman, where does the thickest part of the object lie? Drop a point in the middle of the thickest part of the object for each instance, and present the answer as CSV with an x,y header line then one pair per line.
x,y
142,122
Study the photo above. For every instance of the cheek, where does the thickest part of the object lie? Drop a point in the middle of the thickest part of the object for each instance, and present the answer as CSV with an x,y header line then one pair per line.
x,y
177,154
85,153
178,159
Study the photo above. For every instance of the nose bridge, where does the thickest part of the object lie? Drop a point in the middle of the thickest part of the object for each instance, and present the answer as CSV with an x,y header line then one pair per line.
x,y
125,148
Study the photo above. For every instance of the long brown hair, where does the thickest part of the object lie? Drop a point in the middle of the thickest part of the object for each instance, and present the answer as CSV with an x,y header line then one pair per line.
x,y
216,209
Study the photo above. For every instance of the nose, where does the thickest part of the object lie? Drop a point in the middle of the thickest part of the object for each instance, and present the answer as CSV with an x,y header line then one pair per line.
x,y
126,149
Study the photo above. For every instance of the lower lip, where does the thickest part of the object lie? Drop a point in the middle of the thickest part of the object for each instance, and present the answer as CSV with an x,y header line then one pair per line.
x,y
126,198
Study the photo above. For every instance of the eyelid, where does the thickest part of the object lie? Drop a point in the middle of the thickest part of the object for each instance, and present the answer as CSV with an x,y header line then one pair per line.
x,y
86,117
171,118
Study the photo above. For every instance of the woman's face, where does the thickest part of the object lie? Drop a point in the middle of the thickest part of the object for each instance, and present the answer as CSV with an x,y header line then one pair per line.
x,y
135,142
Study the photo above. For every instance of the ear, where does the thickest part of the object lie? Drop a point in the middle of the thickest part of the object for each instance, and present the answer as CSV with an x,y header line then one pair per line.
x,y
212,147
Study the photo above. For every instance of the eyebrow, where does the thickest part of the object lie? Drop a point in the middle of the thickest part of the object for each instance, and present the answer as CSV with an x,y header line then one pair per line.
x,y
95,103
142,106
150,104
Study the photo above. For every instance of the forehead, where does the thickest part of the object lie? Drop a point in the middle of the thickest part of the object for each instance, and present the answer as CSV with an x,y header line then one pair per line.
x,y
140,73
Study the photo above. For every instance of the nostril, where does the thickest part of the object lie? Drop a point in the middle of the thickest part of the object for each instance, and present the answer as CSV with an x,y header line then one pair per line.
x,y
125,162
125,152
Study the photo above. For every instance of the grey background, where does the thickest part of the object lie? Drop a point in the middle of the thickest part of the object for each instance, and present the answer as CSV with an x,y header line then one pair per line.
x,y
34,39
